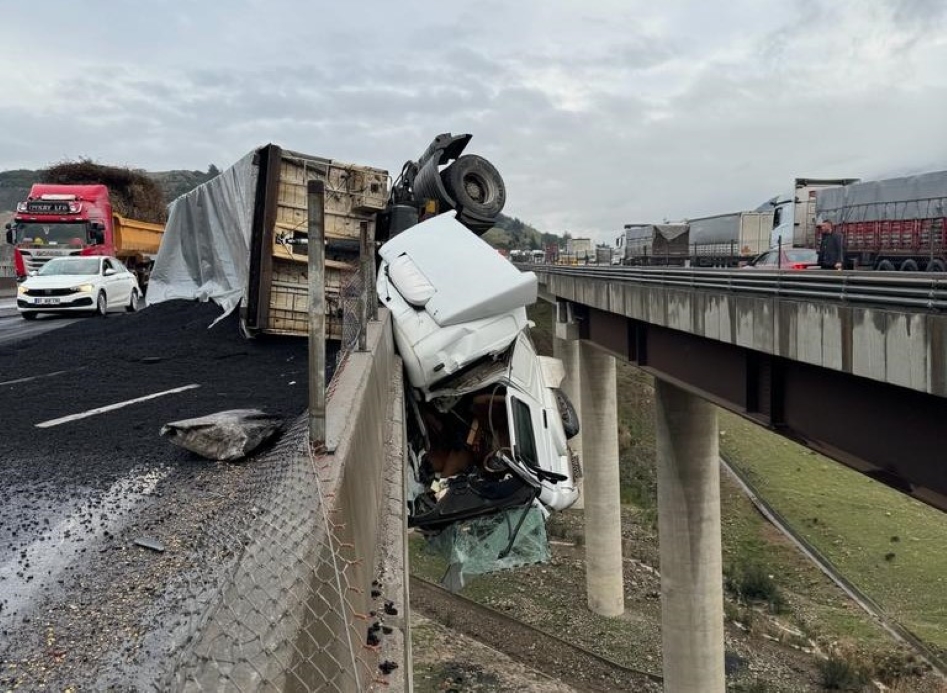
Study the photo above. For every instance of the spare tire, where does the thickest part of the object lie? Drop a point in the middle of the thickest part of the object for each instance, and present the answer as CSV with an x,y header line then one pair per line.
x,y
475,185
570,420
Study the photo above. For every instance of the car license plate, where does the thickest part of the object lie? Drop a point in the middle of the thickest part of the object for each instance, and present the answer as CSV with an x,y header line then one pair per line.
x,y
47,301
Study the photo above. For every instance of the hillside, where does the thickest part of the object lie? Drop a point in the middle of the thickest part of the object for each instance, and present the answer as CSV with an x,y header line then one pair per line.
x,y
15,185
511,233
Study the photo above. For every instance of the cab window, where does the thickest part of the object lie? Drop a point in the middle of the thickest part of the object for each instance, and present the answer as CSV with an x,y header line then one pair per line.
x,y
525,438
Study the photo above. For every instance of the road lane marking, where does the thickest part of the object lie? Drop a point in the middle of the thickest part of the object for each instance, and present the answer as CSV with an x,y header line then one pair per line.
x,y
111,407
44,375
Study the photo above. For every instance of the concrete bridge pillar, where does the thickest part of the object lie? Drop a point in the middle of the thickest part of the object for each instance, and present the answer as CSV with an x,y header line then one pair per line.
x,y
689,532
604,574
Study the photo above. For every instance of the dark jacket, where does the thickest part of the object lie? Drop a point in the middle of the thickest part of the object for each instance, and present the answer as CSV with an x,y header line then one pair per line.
x,y
830,250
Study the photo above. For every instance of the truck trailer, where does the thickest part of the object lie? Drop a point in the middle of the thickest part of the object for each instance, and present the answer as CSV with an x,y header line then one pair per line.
x,y
255,218
723,240
65,220
887,225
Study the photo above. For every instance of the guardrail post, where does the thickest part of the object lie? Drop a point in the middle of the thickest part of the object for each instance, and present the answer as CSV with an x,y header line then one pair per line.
x,y
317,312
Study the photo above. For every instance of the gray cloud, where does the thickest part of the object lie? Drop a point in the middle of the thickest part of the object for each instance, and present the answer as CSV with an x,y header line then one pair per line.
x,y
595,115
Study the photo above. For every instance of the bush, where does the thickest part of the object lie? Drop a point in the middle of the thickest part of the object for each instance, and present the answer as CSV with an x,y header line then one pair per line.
x,y
838,674
753,583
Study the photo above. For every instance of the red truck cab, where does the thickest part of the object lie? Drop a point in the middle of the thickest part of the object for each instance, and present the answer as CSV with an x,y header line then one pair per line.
x,y
60,220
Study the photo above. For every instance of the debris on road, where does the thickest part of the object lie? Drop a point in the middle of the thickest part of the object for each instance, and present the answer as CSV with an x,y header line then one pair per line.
x,y
149,543
224,436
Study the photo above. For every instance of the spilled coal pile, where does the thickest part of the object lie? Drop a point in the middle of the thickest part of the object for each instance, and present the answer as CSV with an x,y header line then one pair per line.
x,y
114,542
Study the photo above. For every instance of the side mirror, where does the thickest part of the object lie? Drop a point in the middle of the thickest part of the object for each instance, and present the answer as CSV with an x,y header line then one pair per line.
x,y
33,273
108,272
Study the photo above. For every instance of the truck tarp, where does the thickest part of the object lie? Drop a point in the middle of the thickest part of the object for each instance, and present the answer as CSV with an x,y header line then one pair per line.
x,y
922,196
205,251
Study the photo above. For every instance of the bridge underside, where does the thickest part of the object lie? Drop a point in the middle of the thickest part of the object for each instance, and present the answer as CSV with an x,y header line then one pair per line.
x,y
889,433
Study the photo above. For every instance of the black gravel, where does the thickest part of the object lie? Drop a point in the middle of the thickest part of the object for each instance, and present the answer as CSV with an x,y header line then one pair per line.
x,y
78,597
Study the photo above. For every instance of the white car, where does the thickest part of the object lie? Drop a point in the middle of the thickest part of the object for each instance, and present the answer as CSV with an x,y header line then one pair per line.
x,y
79,284
487,425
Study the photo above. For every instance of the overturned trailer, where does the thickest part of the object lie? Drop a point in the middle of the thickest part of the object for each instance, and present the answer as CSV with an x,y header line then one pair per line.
x,y
241,239
236,239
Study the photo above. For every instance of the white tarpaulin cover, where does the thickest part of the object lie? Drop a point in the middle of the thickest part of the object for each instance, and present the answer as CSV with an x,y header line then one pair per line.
x,y
205,251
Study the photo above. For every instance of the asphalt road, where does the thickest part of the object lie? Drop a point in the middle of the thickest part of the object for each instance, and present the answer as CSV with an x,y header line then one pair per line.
x,y
14,328
84,475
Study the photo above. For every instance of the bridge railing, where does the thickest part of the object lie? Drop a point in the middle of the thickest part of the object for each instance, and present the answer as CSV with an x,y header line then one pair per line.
x,y
907,290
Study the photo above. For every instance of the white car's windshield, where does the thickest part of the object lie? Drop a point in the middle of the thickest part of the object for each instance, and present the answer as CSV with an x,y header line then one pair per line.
x,y
70,265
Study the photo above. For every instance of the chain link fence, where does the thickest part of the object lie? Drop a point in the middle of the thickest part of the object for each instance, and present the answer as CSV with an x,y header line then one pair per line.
x,y
352,298
309,600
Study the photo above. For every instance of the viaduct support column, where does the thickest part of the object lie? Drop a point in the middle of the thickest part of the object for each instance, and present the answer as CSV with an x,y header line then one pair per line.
x,y
689,532
603,571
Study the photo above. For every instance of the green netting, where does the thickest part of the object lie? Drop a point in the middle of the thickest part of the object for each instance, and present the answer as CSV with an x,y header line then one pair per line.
x,y
482,545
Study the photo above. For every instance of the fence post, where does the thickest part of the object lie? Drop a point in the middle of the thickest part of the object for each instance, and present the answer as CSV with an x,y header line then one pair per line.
x,y
364,258
317,313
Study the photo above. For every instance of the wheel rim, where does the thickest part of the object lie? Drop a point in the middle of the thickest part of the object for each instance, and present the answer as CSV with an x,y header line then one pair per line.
x,y
100,304
476,187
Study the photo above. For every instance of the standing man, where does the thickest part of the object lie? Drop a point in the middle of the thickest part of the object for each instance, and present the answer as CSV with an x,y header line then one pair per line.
x,y
830,247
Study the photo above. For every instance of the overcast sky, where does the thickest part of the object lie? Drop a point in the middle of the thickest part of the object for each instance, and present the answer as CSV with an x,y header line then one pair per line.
x,y
597,113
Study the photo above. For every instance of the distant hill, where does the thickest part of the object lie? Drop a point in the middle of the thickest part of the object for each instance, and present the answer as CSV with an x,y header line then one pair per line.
x,y
511,233
15,185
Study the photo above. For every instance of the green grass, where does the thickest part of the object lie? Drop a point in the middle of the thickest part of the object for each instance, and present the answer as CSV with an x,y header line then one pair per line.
x,y
889,545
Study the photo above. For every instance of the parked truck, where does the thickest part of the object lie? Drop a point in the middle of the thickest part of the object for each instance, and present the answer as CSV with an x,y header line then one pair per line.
x,y
886,225
722,240
64,220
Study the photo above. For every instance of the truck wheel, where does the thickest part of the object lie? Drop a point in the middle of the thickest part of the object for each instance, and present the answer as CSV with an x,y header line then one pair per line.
x,y
133,302
936,265
101,305
885,266
475,185
909,266
570,420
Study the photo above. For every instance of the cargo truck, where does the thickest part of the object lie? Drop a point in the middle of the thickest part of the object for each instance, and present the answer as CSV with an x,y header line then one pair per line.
x,y
886,225
63,220
723,240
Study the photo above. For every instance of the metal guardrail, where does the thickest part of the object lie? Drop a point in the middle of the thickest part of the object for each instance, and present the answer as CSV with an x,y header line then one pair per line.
x,y
914,290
